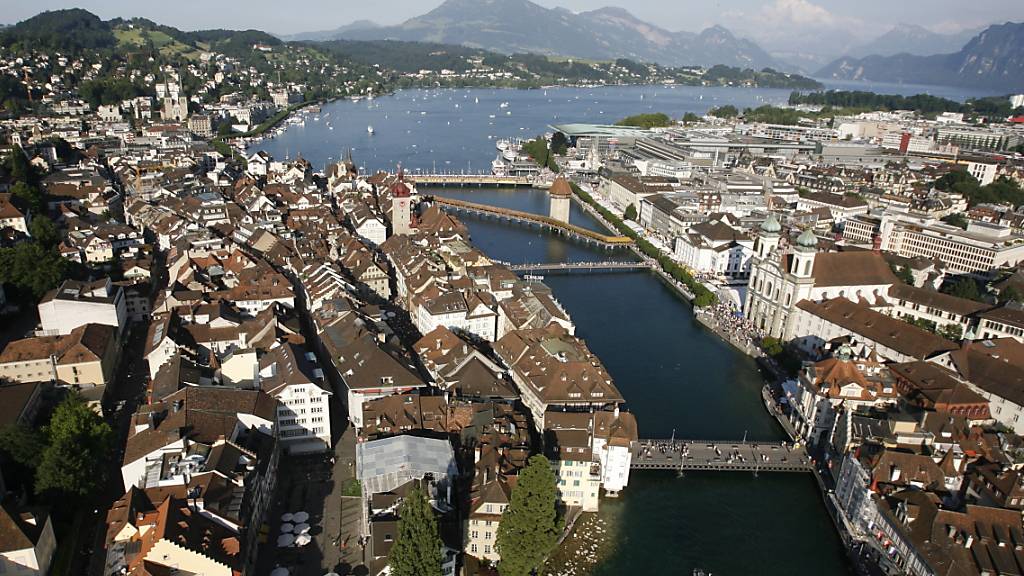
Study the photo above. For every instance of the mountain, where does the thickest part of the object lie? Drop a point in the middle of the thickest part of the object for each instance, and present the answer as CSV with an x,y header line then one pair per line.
x,y
992,60
330,34
912,39
70,31
516,26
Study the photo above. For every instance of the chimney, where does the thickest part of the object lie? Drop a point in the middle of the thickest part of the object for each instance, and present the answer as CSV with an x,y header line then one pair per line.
x,y
616,411
437,343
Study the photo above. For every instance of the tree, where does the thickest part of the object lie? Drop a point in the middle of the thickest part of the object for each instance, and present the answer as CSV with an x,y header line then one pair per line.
x,y
417,550
690,117
32,269
952,332
559,144
30,195
44,231
80,442
772,346
646,121
630,213
727,111
530,526
22,445
963,288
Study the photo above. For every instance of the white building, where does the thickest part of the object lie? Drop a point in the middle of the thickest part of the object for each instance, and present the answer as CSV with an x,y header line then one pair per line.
x,y
715,247
75,304
456,311
780,278
985,172
290,375
981,248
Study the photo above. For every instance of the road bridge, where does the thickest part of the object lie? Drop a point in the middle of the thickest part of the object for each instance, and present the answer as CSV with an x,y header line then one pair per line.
x,y
546,222
724,455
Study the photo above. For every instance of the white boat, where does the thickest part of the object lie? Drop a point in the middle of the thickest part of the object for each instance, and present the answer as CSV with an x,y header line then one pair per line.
x,y
533,277
503,105
369,130
476,100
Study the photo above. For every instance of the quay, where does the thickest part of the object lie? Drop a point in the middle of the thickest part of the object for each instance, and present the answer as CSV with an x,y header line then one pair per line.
x,y
569,267
546,222
720,456
481,180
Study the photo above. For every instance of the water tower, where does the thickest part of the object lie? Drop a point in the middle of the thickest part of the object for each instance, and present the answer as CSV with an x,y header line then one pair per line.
x,y
561,196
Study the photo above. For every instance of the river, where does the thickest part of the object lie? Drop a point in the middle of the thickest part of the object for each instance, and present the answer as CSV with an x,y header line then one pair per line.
x,y
679,378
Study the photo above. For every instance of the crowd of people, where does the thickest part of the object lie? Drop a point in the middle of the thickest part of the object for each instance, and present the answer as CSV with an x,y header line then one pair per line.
x,y
723,318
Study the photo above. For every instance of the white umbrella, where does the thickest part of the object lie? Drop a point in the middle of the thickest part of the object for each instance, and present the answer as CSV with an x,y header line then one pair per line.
x,y
300,516
286,517
286,527
301,528
285,540
303,539
280,571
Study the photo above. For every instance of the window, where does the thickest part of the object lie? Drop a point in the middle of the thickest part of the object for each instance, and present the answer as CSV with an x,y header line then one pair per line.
x,y
474,534
472,548
487,549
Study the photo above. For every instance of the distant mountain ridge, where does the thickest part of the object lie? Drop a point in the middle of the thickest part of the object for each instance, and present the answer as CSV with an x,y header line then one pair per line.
x,y
515,26
912,39
338,32
993,59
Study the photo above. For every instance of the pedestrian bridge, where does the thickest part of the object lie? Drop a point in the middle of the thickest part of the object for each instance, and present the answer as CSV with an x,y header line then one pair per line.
x,y
473,180
547,222
723,456
568,267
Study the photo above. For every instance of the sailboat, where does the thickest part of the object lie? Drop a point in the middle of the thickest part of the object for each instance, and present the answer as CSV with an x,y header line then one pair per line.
x,y
369,130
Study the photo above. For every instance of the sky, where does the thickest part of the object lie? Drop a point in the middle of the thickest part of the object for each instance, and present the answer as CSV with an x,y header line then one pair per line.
x,y
767,21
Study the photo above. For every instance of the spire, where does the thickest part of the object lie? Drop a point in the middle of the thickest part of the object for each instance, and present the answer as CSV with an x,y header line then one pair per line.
x,y
807,239
771,225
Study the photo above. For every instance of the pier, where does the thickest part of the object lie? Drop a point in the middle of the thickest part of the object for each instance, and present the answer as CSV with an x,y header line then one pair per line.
x,y
569,267
482,180
720,456
546,222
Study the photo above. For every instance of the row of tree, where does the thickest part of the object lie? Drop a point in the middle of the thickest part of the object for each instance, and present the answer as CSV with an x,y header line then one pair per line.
x,y
702,296
992,107
527,532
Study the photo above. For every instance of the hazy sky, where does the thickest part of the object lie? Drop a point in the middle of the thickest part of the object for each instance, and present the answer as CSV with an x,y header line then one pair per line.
x,y
760,19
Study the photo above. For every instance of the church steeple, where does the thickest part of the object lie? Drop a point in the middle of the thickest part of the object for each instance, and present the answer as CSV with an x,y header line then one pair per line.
x,y
803,254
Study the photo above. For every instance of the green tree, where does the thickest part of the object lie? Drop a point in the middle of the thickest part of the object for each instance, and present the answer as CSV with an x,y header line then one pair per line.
x,y
952,332
30,195
74,461
44,231
32,269
22,445
530,526
630,213
559,144
690,118
647,121
417,550
963,288
727,111
772,346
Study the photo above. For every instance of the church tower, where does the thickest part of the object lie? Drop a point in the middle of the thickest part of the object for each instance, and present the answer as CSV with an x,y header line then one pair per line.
x,y
401,206
768,239
803,254
561,196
